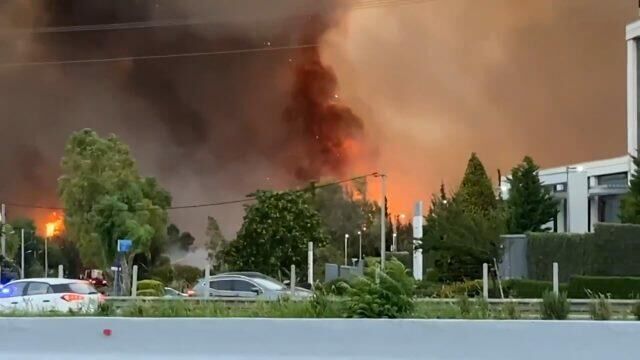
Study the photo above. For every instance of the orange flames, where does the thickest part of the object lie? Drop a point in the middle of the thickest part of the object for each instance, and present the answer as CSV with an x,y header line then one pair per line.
x,y
54,225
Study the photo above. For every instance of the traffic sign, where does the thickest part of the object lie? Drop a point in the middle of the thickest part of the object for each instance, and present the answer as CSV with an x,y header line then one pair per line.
x,y
124,245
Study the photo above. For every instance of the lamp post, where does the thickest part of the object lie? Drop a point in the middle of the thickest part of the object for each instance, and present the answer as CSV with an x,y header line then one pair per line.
x,y
394,245
346,244
360,246
51,230
568,212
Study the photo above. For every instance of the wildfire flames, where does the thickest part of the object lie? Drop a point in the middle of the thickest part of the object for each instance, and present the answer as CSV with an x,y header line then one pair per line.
x,y
54,225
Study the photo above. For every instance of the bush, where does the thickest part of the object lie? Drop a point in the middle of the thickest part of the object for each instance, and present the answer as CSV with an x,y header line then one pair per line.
x,y
465,306
527,289
608,251
599,308
427,288
382,294
616,287
150,288
636,310
338,287
186,273
554,307
468,288
510,311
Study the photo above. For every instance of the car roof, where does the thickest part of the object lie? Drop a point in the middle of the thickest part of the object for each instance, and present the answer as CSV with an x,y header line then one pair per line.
x,y
50,281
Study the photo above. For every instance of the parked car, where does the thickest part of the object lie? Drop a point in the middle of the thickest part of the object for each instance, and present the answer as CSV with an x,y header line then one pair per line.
x,y
247,285
173,293
50,294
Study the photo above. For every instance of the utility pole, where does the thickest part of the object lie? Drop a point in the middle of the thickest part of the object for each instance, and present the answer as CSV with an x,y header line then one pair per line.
x,y
383,220
22,254
3,222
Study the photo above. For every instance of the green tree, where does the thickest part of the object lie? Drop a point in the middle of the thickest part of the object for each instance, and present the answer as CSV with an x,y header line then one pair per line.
x,y
476,191
530,205
630,207
275,233
106,200
179,240
215,242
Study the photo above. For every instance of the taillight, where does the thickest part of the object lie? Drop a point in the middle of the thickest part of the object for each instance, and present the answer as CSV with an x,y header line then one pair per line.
x,y
191,293
72,297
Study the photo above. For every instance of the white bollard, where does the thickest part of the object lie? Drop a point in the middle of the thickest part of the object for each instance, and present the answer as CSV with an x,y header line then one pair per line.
x,y
556,281
293,280
310,263
134,281
207,276
485,281
60,271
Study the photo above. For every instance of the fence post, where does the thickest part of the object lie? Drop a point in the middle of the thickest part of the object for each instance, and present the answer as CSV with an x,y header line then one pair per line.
x,y
134,281
60,271
485,281
556,282
207,277
293,280
310,263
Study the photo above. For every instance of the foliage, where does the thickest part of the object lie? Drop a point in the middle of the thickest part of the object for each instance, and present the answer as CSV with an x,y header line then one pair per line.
x,y
149,293
382,294
530,205
608,251
338,287
105,200
215,242
162,270
186,273
554,306
319,302
527,289
599,308
150,287
275,234
510,310
465,305
476,191
636,310
630,206
460,240
616,287
466,288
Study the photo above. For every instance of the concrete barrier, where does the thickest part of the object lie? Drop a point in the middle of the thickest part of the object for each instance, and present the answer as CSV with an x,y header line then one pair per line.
x,y
129,338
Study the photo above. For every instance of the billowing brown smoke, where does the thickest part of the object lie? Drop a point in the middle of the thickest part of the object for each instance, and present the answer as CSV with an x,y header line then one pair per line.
x,y
210,127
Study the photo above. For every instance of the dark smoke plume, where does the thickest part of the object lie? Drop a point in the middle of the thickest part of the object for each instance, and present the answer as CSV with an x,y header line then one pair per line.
x,y
210,127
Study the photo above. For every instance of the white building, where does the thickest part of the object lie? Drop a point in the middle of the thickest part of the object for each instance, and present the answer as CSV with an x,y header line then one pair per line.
x,y
590,192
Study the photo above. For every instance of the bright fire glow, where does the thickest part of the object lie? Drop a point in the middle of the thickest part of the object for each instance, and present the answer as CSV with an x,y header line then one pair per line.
x,y
55,226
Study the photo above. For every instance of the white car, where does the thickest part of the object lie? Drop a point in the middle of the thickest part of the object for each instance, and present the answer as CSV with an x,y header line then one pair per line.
x,y
49,294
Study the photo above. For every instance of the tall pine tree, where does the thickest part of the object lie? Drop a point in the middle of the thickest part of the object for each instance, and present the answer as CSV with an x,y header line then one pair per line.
x,y
630,207
530,205
476,191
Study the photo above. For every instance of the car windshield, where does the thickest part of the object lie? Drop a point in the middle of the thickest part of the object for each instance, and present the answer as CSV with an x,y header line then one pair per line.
x,y
269,284
82,288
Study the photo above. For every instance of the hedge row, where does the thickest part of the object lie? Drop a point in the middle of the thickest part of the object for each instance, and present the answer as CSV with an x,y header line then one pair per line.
x,y
609,251
616,287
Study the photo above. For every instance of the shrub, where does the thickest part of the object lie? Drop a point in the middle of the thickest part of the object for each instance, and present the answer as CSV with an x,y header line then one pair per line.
x,y
186,273
150,288
432,275
599,308
616,287
382,294
510,310
465,306
427,288
338,287
554,307
527,289
453,290
636,310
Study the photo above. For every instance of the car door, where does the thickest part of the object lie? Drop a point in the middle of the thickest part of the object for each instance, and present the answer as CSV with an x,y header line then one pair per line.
x,y
39,296
222,288
11,297
245,289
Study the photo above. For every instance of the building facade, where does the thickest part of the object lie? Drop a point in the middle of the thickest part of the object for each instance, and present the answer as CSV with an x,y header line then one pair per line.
x,y
590,193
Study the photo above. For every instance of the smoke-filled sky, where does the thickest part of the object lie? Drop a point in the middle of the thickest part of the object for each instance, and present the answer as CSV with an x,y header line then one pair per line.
x,y
409,90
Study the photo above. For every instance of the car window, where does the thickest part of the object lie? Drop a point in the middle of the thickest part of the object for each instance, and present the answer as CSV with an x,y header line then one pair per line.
x,y
12,290
271,285
76,287
242,285
38,288
222,285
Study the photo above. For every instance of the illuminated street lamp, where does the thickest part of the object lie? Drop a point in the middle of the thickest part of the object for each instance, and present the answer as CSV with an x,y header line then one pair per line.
x,y
360,246
346,243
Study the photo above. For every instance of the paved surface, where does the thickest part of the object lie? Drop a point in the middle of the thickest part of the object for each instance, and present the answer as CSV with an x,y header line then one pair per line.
x,y
85,338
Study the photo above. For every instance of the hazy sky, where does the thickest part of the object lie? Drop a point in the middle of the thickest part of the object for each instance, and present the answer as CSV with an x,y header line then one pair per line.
x,y
431,82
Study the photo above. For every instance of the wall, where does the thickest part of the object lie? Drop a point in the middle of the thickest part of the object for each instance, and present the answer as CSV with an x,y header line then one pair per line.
x,y
82,338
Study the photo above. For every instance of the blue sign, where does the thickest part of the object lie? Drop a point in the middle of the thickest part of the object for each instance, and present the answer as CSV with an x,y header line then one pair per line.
x,y
124,246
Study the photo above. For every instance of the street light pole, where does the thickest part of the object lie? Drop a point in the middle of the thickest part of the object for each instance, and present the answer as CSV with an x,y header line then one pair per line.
x,y
22,254
346,243
360,246
46,257
568,212
383,220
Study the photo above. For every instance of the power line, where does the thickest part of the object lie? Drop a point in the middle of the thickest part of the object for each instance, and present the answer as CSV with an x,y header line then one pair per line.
x,y
203,205
152,57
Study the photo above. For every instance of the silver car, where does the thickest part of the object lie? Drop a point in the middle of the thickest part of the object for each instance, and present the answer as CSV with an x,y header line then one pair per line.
x,y
247,285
